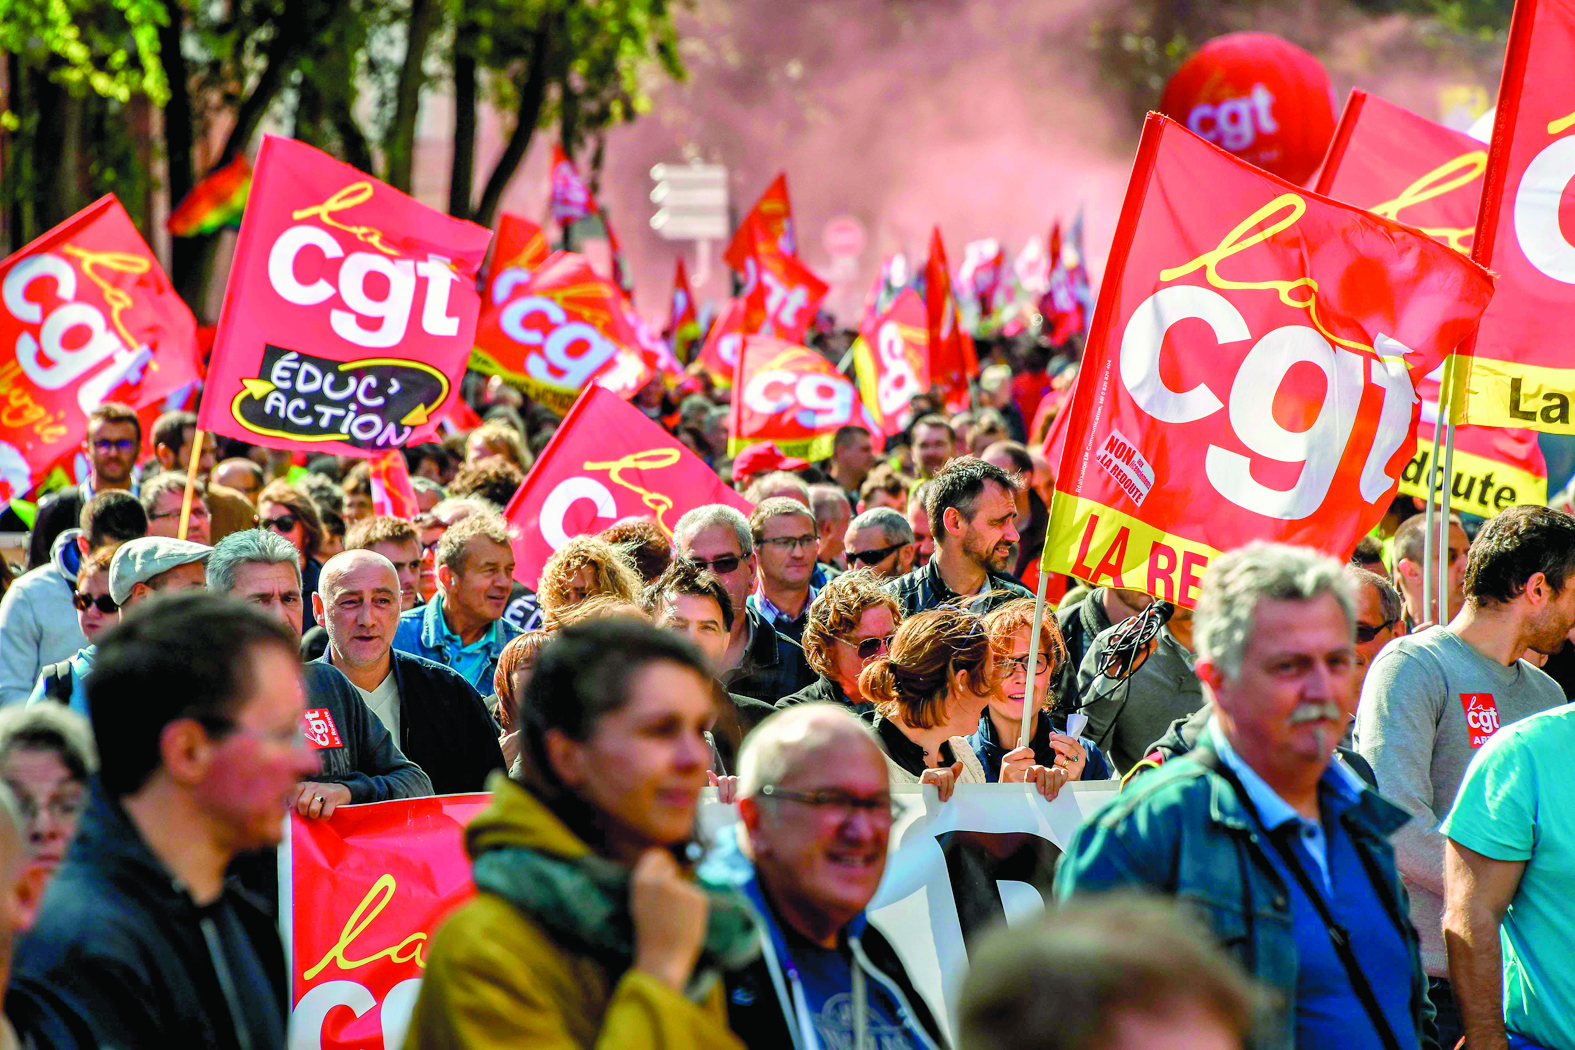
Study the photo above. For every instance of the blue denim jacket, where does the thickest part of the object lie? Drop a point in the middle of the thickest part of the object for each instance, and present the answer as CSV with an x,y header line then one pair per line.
x,y
422,632
1183,831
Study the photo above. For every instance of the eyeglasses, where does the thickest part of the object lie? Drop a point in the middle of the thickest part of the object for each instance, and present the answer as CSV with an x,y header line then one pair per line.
x,y
1020,663
197,511
118,445
791,543
839,804
868,648
721,566
283,523
1366,633
85,601
879,554
61,808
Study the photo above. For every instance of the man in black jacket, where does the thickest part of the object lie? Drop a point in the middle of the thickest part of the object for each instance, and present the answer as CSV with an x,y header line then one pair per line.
x,y
438,718
140,925
815,813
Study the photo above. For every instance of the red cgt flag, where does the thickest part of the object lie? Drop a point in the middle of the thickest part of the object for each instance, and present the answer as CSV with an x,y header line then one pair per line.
x,y
519,247
892,360
719,355
683,323
1251,372
1517,372
349,312
559,329
772,216
952,357
87,317
571,197
781,295
792,396
1407,168
606,461
392,492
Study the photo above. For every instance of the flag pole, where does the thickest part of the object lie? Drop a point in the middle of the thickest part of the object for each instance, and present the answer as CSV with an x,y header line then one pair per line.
x,y
1029,710
1445,404
191,482
1427,523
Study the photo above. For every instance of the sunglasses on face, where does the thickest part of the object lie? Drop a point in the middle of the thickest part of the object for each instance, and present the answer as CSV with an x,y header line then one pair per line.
x,y
721,566
868,648
121,445
1366,633
85,601
283,523
875,556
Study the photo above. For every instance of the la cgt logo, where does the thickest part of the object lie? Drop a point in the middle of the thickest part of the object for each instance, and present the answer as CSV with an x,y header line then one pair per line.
x,y
373,403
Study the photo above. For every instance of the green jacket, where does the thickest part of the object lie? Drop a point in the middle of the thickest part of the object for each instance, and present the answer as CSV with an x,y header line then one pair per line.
x,y
1182,831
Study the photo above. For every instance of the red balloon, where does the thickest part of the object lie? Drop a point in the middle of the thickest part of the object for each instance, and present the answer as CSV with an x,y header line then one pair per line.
x,y
1260,97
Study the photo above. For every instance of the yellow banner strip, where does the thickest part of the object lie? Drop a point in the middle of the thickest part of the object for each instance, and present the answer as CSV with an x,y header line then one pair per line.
x,y
1093,542
1481,485
1493,393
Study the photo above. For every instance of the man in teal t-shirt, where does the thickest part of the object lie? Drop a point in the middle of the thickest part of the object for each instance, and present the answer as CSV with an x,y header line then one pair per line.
x,y
1509,868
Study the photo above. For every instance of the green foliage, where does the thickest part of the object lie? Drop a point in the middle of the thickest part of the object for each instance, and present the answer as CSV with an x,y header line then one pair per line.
x,y
109,47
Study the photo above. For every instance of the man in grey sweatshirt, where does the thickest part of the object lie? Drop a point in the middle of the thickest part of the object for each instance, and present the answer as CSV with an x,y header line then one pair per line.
x,y
1431,699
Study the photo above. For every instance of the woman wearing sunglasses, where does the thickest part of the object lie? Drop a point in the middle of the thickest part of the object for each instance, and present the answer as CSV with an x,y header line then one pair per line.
x,y
850,623
96,610
929,691
1052,757
285,509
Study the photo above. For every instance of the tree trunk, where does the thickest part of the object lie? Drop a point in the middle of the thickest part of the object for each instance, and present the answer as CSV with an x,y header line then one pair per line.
x,y
399,147
462,172
532,94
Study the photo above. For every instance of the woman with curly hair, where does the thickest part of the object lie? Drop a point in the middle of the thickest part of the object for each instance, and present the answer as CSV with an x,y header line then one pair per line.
x,y
929,691
584,568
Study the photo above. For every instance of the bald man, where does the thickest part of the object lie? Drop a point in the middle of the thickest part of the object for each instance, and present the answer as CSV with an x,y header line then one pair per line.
x,y
816,815
438,719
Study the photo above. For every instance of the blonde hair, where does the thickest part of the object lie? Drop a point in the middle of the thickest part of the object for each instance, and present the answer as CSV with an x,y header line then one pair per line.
x,y
837,609
613,575
915,678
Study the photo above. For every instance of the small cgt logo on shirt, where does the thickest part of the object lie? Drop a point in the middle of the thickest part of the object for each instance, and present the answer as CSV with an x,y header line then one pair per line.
x,y
1481,716
320,729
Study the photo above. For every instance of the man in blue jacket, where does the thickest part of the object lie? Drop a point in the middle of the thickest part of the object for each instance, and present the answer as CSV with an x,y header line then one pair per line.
x,y
1285,854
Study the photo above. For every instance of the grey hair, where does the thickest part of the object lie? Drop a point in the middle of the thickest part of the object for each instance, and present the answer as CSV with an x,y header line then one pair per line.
x,y
889,520
454,548
168,481
1389,601
715,514
242,548
1238,580
824,501
776,746
475,504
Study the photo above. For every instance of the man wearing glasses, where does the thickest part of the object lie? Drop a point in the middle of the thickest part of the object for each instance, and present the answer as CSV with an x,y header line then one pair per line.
x,y
815,818
785,535
113,437
758,661
850,623
880,540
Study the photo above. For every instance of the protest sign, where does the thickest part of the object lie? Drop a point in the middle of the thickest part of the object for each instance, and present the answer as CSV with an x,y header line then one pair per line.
x,y
349,313
718,356
556,330
361,894
88,317
1263,389
519,246
952,357
780,293
892,360
790,395
606,461
1517,372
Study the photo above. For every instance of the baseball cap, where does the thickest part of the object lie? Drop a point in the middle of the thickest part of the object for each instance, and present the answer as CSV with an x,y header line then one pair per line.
x,y
758,459
138,561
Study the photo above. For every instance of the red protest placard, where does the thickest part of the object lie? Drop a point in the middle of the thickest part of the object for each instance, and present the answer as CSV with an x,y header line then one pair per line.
x,y
772,216
606,461
892,360
952,357
792,396
359,896
557,329
1251,371
1517,371
87,317
519,245
349,312
683,323
1404,167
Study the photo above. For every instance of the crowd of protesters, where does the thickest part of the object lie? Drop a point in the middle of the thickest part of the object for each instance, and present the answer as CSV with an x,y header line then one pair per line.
x,y
1340,825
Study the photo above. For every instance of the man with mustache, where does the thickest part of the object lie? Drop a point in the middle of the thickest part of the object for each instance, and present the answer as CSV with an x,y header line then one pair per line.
x,y
1285,854
1433,698
972,506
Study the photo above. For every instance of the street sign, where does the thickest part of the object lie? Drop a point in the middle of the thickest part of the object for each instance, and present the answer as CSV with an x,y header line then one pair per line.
x,y
691,202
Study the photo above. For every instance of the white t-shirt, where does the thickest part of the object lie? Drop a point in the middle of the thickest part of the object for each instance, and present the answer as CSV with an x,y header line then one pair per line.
x,y
384,702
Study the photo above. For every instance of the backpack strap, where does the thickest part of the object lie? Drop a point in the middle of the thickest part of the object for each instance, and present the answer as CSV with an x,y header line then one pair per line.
x,y
57,681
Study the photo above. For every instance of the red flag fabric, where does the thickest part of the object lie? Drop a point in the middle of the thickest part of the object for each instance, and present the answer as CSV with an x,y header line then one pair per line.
x,y
683,323
88,317
772,215
392,492
781,295
1404,167
349,313
1262,388
719,356
983,273
791,396
519,245
952,357
571,197
606,461
892,360
1517,372
559,329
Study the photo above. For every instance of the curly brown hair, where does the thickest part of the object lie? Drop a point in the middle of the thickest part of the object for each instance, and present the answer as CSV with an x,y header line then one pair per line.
x,y
915,678
614,575
837,609
1018,615
649,548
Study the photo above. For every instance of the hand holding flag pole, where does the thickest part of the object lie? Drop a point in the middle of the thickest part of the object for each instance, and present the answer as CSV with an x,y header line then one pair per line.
x,y
1029,711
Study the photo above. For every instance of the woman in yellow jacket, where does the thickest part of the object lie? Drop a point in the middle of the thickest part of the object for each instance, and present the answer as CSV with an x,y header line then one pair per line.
x,y
585,930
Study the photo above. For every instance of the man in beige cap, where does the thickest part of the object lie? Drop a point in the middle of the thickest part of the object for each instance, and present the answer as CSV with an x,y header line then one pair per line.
x,y
141,569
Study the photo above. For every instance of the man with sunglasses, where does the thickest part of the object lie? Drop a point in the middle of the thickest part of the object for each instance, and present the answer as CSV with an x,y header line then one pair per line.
x,y
114,435
880,540
815,816
785,535
850,623
758,661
